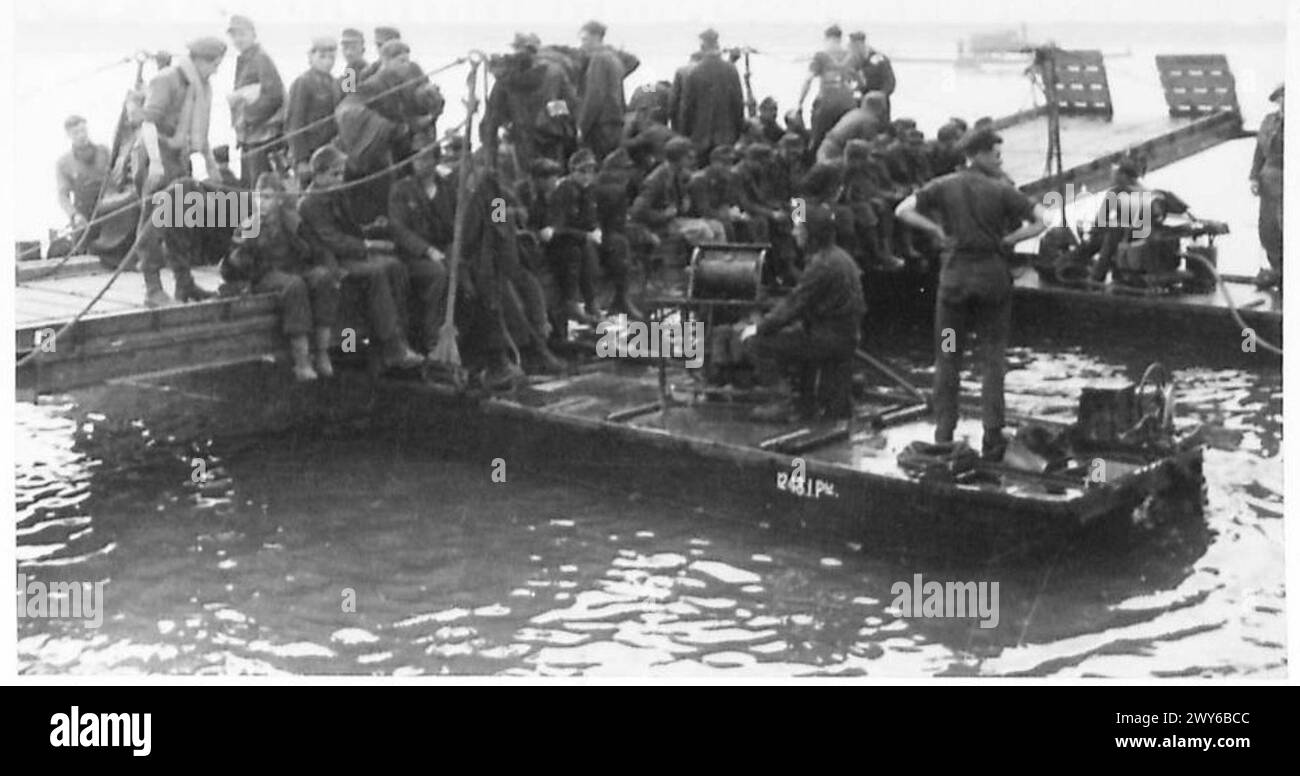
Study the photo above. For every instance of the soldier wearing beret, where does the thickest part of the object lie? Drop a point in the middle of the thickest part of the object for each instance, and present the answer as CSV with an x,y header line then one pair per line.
x,y
174,125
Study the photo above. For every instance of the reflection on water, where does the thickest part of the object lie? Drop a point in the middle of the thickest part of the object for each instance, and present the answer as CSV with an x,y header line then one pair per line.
x,y
342,553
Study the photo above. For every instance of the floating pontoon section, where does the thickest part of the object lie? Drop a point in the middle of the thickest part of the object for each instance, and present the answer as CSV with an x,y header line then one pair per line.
x,y
1197,84
1082,88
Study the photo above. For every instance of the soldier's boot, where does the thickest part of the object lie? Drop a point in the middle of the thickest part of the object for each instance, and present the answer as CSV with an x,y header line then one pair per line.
x,y
324,340
398,355
154,295
186,289
301,353
621,303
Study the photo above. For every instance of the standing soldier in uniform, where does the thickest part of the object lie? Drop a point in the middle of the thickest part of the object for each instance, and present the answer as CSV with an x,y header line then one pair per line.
x,y
309,121
973,207
875,71
258,120
1266,183
712,109
835,69
534,101
353,44
174,125
600,113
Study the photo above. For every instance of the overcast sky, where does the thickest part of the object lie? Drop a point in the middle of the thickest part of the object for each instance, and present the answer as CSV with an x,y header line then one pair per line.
x,y
511,12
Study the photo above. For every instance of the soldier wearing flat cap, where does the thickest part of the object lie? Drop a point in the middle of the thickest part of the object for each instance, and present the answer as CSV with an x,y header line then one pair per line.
x,y
1266,183
711,109
835,70
313,96
174,126
353,45
382,35
257,104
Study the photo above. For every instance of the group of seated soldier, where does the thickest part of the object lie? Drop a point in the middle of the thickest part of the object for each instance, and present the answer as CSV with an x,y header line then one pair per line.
x,y
556,226
560,233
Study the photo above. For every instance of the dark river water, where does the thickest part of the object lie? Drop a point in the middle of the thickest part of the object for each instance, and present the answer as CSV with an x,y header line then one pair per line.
x,y
348,553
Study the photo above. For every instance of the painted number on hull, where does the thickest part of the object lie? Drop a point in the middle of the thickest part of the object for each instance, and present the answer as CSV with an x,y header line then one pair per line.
x,y
797,481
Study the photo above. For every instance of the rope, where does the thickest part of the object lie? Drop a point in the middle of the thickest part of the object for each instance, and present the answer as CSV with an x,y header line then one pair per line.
x,y
1232,305
324,119
76,78
106,216
126,260
447,136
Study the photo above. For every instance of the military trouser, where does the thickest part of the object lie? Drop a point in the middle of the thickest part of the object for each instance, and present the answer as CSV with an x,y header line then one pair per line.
x,y
958,315
866,230
509,308
827,109
308,300
428,298
1270,215
524,304
573,261
255,159
615,256
603,138
385,283
807,354
152,253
